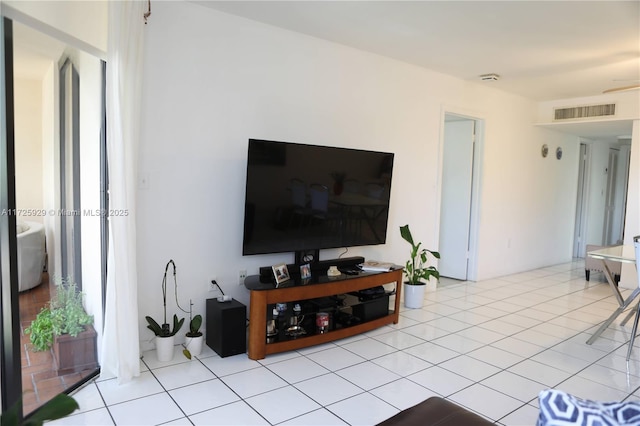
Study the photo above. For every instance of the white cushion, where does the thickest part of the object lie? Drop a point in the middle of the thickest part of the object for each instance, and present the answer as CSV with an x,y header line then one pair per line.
x,y
21,227
558,408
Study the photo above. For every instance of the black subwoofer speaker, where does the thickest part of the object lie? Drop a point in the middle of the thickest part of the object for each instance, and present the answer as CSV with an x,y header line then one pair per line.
x,y
226,327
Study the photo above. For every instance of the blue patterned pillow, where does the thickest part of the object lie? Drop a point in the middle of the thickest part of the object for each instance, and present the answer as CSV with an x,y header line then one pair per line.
x,y
558,408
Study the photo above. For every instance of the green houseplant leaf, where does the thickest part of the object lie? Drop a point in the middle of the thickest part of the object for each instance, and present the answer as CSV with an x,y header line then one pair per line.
x,y
56,408
416,269
194,331
41,330
194,327
64,314
164,331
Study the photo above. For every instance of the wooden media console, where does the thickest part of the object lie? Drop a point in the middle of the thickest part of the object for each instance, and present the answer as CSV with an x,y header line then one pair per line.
x,y
265,295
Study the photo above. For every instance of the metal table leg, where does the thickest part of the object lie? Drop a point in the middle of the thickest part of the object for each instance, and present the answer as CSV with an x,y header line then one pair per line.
x,y
612,283
625,304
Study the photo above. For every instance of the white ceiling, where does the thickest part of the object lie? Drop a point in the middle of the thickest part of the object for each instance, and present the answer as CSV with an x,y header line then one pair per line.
x,y
543,50
33,52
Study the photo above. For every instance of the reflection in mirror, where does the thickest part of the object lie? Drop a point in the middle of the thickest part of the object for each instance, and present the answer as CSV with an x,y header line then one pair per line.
x,y
58,137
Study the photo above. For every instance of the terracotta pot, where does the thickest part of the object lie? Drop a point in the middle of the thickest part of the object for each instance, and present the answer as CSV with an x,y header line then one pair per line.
x,y
75,354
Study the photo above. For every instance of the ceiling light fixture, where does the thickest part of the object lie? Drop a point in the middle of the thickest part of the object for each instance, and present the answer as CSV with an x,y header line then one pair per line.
x,y
490,77
622,89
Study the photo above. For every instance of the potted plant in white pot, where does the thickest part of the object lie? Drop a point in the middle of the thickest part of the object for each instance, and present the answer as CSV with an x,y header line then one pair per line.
x,y
417,271
194,338
165,339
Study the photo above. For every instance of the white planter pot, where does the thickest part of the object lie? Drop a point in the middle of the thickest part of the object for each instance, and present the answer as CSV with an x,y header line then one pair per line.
x,y
414,296
194,345
164,348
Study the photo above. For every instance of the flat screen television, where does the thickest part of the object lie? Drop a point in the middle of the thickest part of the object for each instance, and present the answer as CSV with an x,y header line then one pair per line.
x,y
302,198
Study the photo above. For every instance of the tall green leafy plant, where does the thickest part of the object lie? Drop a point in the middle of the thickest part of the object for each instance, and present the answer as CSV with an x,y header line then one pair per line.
x,y
41,330
416,268
64,314
67,312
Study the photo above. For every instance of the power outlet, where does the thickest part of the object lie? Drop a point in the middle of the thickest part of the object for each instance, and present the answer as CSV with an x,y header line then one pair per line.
x,y
242,274
213,285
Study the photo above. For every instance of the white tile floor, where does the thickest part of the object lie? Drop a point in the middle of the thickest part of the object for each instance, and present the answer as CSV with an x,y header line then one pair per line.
x,y
490,346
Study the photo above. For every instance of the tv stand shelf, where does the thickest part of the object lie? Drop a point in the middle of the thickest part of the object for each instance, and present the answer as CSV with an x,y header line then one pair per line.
x,y
264,293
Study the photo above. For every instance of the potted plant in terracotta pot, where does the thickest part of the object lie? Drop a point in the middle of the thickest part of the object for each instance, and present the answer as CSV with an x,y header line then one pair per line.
x,y
417,271
64,325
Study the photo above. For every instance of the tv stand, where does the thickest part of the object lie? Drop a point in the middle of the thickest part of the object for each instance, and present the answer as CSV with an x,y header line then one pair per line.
x,y
264,296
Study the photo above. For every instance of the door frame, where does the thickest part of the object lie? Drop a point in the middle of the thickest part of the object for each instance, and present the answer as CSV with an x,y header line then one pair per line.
x,y
10,367
69,169
582,200
476,182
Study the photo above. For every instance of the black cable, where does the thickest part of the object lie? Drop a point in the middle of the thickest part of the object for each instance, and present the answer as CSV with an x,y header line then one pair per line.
x,y
216,284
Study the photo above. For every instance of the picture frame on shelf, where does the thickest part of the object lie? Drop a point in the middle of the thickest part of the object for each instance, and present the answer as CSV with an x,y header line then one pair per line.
x,y
280,272
305,271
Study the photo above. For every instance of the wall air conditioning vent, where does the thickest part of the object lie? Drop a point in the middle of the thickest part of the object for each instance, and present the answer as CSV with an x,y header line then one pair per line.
x,y
587,111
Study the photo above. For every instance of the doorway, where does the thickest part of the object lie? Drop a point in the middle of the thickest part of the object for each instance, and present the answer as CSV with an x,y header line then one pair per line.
x,y
615,207
57,183
603,178
458,205
579,233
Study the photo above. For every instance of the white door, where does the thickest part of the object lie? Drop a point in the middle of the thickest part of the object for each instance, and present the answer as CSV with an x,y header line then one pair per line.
x,y
579,240
455,210
609,235
617,178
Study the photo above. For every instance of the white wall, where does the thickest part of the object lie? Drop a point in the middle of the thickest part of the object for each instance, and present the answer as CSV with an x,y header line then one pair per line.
x,y
629,277
28,146
82,24
89,70
212,81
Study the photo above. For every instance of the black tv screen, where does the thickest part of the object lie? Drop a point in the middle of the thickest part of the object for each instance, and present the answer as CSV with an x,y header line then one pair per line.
x,y
307,197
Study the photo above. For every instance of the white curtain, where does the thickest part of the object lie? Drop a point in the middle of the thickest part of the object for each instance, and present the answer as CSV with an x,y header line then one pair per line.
x,y
120,355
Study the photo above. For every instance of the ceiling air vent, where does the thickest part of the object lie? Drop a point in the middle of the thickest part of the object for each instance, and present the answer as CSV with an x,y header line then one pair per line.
x,y
585,111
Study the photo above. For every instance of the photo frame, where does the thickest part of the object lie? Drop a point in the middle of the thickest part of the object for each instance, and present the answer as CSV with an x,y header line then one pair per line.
x,y
280,272
305,271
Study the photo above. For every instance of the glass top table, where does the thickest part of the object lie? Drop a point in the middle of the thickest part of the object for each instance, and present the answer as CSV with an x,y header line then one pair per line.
x,y
623,254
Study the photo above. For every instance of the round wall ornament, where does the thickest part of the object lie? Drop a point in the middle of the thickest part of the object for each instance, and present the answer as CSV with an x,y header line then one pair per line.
x,y
559,153
545,150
